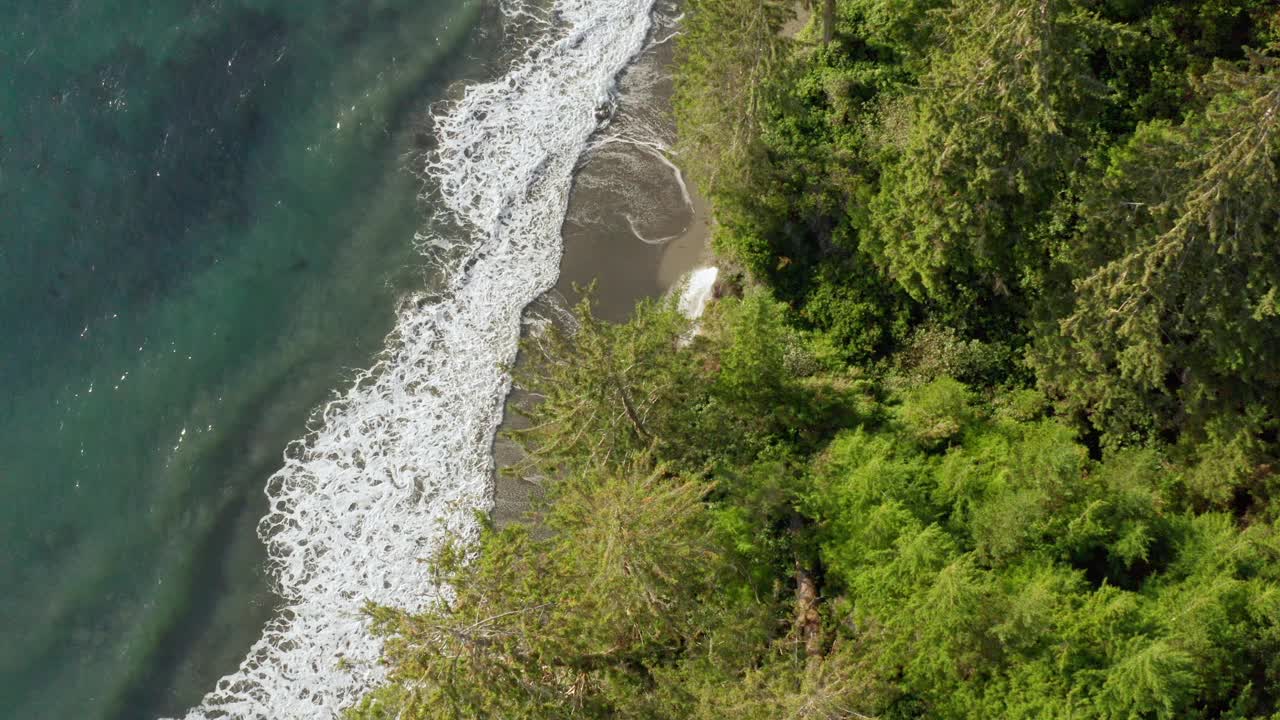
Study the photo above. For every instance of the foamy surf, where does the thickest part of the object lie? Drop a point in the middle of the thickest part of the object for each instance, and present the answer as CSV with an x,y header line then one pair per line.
x,y
403,459
697,291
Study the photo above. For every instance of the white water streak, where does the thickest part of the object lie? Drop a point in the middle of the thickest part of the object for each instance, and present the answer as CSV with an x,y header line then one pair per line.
x,y
697,291
631,223
403,459
657,150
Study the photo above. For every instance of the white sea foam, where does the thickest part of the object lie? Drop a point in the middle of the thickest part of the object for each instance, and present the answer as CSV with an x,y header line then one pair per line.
x,y
403,458
696,291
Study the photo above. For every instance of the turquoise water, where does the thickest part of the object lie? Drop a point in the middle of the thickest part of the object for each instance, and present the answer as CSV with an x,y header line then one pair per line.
x,y
205,220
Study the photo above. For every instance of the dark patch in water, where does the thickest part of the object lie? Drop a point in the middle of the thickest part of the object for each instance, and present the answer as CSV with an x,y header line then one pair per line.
x,y
208,590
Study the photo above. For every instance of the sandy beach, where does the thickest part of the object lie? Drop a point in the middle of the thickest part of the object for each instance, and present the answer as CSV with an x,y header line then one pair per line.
x,y
632,227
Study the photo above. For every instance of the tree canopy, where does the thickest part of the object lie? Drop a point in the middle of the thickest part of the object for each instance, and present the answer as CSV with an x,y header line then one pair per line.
x,y
933,550
986,423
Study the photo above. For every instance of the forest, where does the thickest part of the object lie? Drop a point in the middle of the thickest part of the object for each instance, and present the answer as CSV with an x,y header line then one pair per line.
x,y
985,422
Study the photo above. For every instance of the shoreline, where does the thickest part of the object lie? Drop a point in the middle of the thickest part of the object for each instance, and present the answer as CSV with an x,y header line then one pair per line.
x,y
396,463
602,243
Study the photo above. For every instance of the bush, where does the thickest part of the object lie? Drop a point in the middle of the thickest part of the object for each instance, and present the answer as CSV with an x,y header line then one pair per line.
x,y
937,413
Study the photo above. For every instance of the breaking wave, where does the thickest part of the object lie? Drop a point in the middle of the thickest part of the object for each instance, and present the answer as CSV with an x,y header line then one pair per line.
x,y
403,459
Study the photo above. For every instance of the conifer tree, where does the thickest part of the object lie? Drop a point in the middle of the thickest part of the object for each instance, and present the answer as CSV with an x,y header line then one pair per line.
x,y
1177,312
995,128
730,53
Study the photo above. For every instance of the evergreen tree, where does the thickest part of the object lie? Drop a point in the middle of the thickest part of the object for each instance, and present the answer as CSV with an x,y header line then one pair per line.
x,y
996,125
730,52
1178,289
853,503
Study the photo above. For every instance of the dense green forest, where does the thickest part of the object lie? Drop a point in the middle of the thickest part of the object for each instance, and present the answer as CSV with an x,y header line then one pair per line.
x,y
985,423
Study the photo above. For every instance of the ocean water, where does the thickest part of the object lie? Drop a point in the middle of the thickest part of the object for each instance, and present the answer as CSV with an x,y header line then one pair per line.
x,y
215,218
206,216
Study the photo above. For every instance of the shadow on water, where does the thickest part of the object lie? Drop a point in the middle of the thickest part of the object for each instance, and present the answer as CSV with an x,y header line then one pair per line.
x,y
222,603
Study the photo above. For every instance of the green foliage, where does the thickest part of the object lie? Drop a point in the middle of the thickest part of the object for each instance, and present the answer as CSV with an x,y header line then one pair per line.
x,y
993,135
1014,577
1022,405
1232,465
1174,316
1095,180
1153,680
861,319
934,351
937,413
784,206
569,625
752,366
647,592
826,547
729,51
780,684
605,391
999,438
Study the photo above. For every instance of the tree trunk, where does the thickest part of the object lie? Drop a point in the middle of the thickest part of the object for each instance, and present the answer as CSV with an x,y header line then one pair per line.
x,y
630,410
808,621
807,618
828,20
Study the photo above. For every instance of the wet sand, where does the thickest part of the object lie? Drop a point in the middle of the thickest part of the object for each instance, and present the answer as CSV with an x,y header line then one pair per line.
x,y
631,227
627,269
